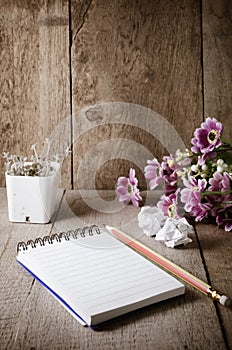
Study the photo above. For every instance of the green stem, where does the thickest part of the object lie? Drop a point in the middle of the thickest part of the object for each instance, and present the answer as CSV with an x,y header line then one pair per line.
x,y
225,141
208,193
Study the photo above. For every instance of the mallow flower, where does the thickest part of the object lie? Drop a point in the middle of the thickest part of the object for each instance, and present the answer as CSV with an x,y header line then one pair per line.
x,y
152,173
207,138
127,189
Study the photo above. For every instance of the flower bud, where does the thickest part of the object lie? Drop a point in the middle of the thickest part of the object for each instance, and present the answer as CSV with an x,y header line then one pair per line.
x,y
194,168
204,167
219,169
220,162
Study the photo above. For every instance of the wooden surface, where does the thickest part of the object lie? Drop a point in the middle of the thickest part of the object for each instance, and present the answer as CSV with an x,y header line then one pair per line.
x,y
35,84
217,61
57,57
145,60
32,319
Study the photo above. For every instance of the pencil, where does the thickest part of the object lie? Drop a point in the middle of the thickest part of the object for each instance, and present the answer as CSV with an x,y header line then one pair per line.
x,y
169,266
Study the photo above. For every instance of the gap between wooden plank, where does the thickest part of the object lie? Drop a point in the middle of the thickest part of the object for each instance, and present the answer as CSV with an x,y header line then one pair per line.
x,y
70,87
209,282
202,62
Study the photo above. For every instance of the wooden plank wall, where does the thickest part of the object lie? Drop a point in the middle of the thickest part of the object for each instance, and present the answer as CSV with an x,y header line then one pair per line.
x,y
35,79
60,56
217,61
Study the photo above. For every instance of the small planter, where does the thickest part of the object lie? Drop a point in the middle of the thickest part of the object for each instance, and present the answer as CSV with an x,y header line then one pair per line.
x,y
33,198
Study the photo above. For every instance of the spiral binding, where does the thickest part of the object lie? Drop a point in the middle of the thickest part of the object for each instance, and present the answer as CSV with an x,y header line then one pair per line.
x,y
58,237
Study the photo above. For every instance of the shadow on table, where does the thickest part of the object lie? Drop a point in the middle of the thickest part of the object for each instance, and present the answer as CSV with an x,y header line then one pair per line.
x,y
151,312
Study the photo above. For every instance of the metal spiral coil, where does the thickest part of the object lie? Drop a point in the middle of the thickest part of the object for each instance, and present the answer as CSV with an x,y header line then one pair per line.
x,y
58,237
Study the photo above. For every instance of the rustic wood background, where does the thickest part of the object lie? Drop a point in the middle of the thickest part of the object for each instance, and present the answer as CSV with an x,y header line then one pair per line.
x,y
60,56
32,319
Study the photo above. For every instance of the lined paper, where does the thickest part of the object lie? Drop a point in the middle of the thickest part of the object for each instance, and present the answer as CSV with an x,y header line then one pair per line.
x,y
98,274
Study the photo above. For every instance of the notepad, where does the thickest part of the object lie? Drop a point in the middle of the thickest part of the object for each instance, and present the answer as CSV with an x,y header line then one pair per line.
x,y
95,276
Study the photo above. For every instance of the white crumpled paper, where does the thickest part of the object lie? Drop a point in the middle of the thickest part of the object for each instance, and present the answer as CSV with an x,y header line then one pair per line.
x,y
172,232
151,219
175,232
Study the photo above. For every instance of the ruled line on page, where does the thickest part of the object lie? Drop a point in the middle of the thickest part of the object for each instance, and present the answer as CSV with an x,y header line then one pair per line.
x,y
101,275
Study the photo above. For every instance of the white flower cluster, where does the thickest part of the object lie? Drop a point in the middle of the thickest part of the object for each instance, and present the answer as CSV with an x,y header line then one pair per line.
x,y
37,165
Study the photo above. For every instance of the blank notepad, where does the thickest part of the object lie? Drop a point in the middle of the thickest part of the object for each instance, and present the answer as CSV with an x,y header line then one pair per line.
x,y
95,276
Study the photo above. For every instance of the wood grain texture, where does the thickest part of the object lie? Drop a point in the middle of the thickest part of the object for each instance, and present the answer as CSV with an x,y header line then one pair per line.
x,y
138,52
35,79
217,61
15,289
217,249
217,58
150,53
188,322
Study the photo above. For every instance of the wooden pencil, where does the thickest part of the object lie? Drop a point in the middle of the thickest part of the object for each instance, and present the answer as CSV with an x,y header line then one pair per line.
x,y
169,266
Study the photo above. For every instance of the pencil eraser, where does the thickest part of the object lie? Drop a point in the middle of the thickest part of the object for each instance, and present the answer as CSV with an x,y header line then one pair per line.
x,y
224,300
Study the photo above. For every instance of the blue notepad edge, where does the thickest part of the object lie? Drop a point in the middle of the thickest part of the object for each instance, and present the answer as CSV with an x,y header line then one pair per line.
x,y
55,294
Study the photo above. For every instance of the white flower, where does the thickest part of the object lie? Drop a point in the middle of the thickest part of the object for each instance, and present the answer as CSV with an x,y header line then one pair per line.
x,y
33,158
47,141
5,154
151,219
194,168
41,164
67,151
57,157
204,167
220,162
219,168
221,165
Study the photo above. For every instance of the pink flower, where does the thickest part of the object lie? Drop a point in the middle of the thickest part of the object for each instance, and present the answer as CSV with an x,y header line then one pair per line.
x,y
201,210
169,205
222,200
166,171
169,168
191,194
207,138
152,173
127,189
169,189
225,221
220,182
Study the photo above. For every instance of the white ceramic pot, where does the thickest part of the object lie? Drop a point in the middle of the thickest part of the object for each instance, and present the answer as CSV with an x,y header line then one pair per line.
x,y
32,198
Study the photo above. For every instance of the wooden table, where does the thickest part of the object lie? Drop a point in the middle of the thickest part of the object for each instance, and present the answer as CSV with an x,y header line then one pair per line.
x,y
32,319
